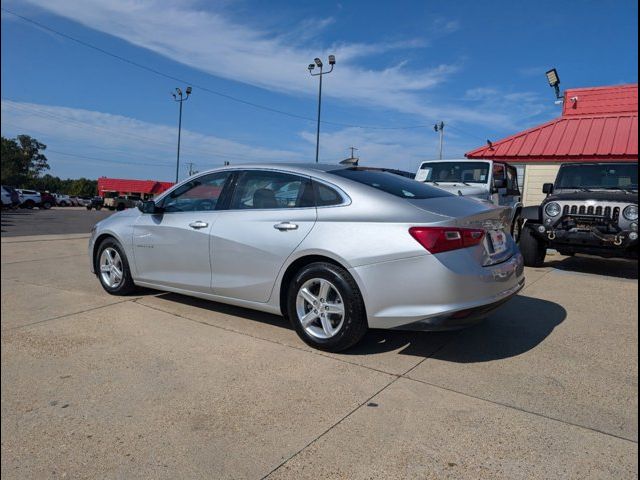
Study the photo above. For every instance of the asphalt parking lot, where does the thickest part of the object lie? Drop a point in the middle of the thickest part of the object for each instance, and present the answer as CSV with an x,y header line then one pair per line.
x,y
57,220
164,386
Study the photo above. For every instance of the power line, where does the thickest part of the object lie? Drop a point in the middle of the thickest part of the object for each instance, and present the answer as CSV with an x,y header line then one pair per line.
x,y
75,123
204,88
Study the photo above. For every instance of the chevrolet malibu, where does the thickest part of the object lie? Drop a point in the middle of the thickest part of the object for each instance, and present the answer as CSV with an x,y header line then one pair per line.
x,y
336,249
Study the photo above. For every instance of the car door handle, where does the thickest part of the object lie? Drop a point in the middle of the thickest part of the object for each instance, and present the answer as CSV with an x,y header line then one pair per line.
x,y
284,226
199,224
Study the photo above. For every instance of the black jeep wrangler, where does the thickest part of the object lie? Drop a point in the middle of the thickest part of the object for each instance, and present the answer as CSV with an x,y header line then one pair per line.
x,y
591,208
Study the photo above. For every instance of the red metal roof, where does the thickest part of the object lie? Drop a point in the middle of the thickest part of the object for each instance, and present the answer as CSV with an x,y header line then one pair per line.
x,y
597,124
123,185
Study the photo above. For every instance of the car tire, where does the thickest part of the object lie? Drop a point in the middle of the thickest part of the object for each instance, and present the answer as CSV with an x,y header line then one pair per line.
x,y
88,207
334,332
533,250
113,283
120,207
30,204
46,205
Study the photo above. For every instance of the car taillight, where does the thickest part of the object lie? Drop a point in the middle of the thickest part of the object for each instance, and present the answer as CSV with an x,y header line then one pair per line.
x,y
444,239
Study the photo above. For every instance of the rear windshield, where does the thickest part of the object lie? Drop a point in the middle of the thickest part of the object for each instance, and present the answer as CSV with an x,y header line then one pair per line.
x,y
394,184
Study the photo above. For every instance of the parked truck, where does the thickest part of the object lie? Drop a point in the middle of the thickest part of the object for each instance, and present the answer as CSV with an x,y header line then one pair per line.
x,y
489,180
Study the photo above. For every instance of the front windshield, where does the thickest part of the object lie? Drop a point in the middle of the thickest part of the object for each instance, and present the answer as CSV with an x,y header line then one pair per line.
x,y
614,176
461,172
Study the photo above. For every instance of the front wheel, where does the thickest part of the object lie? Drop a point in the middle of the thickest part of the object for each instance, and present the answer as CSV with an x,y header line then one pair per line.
x,y
326,307
112,268
533,250
46,205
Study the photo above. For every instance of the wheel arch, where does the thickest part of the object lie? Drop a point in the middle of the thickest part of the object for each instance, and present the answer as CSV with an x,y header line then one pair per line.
x,y
295,266
98,241
531,214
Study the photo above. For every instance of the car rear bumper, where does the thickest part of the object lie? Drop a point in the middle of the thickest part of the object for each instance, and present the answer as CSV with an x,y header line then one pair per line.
x,y
437,292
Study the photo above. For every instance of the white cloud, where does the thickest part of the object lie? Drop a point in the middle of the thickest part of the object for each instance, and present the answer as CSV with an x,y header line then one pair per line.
x,y
212,42
125,144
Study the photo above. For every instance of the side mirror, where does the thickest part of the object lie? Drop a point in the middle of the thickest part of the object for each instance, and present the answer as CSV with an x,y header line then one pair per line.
x,y
149,206
547,188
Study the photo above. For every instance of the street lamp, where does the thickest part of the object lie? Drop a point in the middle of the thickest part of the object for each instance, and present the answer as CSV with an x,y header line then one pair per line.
x,y
179,97
317,62
554,81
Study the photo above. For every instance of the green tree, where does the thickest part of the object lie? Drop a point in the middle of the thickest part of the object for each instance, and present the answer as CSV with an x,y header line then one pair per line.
x,y
22,160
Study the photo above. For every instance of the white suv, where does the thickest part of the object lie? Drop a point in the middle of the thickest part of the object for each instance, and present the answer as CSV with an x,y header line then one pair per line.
x,y
29,198
62,200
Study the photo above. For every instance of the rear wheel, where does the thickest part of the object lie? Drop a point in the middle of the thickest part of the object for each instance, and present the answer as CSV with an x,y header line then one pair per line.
x,y
30,204
46,205
326,308
533,250
112,268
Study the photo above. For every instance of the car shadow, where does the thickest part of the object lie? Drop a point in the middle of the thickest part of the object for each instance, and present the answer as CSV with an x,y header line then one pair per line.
x,y
610,267
515,328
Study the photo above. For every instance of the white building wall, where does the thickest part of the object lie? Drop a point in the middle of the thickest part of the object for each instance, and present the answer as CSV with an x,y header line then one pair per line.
x,y
536,175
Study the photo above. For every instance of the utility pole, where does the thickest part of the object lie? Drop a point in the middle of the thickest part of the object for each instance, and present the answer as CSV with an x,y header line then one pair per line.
x,y
318,62
178,97
353,149
439,128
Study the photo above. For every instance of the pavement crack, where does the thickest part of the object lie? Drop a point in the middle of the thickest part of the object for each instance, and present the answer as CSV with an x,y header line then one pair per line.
x,y
67,315
319,353
355,409
41,259
522,410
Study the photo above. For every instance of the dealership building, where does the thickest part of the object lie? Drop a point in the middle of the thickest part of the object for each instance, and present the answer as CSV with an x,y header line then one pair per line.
x,y
123,186
597,125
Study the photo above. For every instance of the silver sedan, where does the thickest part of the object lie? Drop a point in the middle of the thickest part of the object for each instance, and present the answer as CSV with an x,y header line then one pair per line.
x,y
336,249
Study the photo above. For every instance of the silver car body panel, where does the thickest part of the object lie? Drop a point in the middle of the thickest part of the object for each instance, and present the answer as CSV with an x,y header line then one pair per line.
x,y
245,258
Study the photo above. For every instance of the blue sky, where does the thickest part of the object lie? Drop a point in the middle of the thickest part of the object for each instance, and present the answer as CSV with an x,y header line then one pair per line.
x,y
478,66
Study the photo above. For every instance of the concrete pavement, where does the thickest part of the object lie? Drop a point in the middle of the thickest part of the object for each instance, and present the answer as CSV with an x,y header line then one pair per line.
x,y
164,386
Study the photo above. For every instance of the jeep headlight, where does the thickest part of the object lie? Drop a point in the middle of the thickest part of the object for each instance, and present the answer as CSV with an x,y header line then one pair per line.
x,y
552,209
631,213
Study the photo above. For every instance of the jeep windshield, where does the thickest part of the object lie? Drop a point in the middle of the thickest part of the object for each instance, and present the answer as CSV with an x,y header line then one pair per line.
x,y
454,172
598,177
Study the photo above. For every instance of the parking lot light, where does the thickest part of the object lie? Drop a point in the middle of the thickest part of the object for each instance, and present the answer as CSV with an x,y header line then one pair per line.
x,y
554,81
318,62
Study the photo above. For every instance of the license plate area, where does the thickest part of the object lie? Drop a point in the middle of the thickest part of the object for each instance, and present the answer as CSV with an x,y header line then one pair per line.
x,y
497,241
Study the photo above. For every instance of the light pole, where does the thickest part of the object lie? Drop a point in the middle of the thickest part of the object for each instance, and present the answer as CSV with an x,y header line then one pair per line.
x,y
318,62
179,97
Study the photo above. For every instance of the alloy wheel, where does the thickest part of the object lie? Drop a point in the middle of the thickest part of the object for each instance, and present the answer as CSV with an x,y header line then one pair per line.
x,y
111,268
320,308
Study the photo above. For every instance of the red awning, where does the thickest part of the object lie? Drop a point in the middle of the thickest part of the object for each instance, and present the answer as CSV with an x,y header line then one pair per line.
x,y
598,124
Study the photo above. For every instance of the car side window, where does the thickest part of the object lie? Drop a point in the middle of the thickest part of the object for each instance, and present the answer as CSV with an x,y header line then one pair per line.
x,y
512,181
197,195
262,189
326,196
